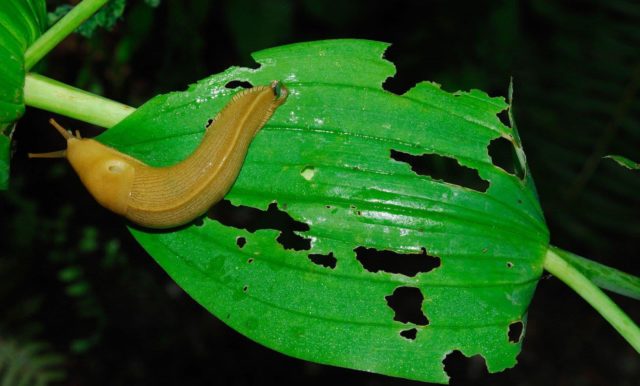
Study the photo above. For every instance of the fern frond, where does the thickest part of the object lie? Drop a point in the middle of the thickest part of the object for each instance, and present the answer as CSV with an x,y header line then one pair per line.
x,y
31,363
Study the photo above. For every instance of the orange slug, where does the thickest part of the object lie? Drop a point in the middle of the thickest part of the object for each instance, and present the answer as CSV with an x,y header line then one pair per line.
x,y
166,197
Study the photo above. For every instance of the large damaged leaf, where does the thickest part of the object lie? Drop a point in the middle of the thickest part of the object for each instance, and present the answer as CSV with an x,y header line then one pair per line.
x,y
368,230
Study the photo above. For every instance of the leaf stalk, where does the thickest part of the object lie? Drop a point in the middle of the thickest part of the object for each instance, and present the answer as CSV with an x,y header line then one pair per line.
x,y
560,267
51,95
60,30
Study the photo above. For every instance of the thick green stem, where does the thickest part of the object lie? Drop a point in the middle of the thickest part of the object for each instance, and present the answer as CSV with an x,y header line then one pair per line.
x,y
604,277
563,270
60,30
60,98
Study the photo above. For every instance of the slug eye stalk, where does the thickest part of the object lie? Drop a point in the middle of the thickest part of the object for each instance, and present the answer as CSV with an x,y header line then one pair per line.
x,y
59,153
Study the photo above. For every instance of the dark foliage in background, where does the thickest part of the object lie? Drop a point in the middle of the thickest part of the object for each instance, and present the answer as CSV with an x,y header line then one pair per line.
x,y
71,276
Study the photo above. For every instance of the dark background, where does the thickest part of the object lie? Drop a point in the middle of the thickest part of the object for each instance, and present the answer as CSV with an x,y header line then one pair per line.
x,y
72,277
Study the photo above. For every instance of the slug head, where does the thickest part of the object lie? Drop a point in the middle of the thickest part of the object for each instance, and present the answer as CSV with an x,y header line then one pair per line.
x,y
104,171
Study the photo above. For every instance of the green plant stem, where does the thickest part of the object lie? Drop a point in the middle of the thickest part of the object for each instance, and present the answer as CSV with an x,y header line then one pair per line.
x,y
60,98
563,270
604,277
60,30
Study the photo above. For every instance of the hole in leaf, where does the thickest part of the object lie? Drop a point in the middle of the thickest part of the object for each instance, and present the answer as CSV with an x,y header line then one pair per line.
x,y
503,116
290,240
238,83
515,331
509,264
442,168
406,302
503,155
241,241
209,122
408,264
250,260
405,76
465,370
245,288
327,261
409,334
252,219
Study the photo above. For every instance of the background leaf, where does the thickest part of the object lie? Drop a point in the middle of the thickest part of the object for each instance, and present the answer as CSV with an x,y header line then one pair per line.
x,y
21,22
624,161
28,364
337,159
106,17
593,112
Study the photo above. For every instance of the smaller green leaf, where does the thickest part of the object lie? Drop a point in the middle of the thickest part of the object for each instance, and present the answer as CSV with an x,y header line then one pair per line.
x,y
624,161
21,22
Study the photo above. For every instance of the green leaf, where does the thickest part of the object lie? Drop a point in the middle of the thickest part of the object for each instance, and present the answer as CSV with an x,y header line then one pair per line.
x,y
21,22
337,157
31,363
623,161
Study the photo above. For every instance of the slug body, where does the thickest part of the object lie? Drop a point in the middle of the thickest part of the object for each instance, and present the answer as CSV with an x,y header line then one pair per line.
x,y
170,196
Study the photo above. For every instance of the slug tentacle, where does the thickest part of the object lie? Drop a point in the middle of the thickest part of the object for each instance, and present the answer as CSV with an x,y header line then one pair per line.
x,y
51,154
60,153
63,132
170,196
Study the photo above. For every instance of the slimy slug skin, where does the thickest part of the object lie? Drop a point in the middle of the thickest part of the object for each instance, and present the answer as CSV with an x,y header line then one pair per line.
x,y
167,197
